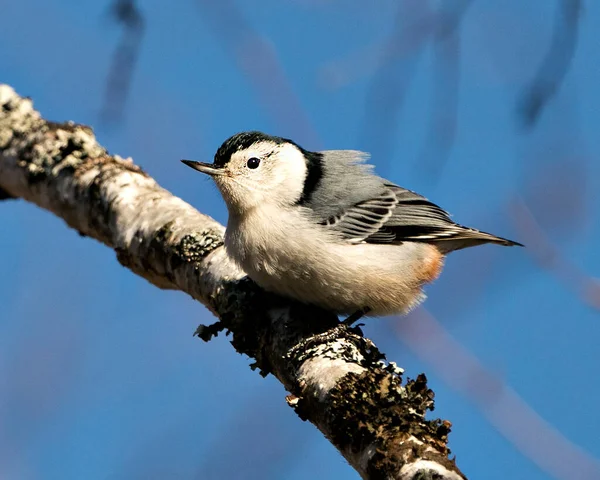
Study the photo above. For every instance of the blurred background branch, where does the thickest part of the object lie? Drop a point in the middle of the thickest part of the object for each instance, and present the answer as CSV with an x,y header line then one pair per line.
x,y
550,258
443,121
118,82
555,65
257,59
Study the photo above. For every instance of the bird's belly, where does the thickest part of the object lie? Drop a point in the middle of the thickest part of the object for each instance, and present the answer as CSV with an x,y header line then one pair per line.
x,y
339,277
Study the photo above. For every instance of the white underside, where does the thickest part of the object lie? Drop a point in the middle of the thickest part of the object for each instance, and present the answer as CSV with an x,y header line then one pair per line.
x,y
285,254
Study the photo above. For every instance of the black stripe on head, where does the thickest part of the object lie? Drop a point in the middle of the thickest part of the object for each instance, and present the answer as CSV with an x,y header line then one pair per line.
x,y
241,141
314,165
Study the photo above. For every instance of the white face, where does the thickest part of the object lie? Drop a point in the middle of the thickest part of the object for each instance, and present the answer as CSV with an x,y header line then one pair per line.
x,y
266,173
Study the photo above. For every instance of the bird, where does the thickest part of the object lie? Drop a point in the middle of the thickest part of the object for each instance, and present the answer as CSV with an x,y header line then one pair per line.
x,y
322,228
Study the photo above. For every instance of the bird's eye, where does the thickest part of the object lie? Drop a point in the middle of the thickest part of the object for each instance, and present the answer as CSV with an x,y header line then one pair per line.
x,y
253,162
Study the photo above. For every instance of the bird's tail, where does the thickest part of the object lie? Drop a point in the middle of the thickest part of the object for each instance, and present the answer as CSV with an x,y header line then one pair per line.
x,y
464,237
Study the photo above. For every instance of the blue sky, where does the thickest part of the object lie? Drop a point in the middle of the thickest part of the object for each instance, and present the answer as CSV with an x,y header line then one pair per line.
x,y
100,376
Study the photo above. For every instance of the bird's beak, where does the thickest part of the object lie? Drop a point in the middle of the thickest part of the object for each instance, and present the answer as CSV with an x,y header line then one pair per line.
x,y
207,168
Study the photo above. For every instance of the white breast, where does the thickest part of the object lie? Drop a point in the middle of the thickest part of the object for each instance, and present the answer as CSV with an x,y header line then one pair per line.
x,y
288,255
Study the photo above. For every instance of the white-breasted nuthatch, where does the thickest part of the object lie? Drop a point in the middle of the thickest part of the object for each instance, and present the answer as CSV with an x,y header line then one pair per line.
x,y
322,228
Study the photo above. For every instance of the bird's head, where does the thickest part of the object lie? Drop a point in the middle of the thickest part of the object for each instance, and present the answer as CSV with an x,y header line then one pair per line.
x,y
252,169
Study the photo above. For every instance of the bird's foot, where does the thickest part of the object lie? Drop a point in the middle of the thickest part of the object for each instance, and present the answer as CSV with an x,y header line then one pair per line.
x,y
356,316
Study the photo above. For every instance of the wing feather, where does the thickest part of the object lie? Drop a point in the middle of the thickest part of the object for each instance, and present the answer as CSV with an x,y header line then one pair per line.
x,y
397,215
366,218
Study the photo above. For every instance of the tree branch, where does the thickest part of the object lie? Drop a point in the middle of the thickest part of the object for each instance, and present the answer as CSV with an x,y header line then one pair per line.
x,y
336,377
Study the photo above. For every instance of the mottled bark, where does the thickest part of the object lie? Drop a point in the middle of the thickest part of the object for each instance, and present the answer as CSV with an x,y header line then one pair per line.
x,y
337,379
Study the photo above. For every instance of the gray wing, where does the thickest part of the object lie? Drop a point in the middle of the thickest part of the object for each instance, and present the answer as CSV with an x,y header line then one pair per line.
x,y
366,220
397,215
